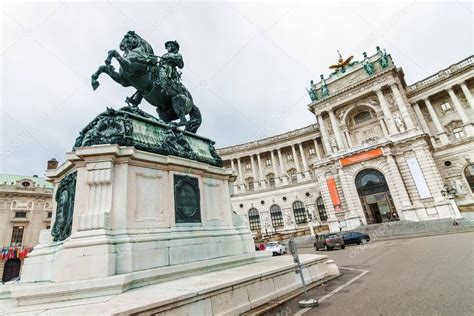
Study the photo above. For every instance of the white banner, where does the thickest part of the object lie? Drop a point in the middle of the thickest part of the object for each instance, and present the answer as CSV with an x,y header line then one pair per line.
x,y
418,177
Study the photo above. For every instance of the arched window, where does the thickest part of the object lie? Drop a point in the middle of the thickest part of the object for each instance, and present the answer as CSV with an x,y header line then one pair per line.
x,y
469,174
362,117
254,219
299,211
276,215
323,216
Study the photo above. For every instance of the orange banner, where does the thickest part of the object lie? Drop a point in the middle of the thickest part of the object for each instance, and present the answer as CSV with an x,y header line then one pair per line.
x,y
371,154
336,201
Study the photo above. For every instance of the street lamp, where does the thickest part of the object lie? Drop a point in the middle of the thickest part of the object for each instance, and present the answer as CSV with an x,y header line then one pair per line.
x,y
449,192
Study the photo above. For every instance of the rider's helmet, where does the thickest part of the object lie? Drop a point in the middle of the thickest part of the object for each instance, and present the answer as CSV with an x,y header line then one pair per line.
x,y
175,43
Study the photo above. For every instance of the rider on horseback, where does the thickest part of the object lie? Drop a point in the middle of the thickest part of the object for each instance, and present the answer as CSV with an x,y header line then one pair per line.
x,y
168,75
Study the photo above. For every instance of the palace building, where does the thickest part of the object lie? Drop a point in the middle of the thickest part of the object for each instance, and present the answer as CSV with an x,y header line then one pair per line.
x,y
379,151
26,208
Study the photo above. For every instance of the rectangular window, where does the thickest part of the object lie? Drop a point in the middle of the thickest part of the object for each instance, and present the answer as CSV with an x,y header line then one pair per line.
x,y
312,151
268,162
17,235
445,107
50,214
20,214
248,167
289,157
48,226
458,133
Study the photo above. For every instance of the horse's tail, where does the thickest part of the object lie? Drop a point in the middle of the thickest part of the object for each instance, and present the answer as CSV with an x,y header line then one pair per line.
x,y
195,120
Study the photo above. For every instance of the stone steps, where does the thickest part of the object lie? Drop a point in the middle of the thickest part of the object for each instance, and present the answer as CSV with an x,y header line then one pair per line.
x,y
405,229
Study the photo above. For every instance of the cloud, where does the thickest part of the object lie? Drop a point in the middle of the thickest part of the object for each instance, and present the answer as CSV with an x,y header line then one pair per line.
x,y
246,64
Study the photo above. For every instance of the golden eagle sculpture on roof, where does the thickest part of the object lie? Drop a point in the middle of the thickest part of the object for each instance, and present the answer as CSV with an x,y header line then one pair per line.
x,y
341,62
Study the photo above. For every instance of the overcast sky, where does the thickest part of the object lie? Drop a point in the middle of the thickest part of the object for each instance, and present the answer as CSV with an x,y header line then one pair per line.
x,y
246,64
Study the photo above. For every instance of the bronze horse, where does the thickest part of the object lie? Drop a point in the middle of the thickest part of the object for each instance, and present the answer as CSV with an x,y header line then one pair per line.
x,y
139,68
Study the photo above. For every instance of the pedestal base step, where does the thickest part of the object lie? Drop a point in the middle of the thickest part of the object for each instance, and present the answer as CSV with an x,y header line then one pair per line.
x,y
229,291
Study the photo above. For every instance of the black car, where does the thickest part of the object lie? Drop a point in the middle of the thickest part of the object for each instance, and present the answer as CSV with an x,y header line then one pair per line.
x,y
355,238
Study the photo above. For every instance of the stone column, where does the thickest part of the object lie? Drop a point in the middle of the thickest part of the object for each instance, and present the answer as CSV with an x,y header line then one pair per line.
x,y
297,165
307,174
303,157
356,213
467,94
348,138
386,112
274,164
402,199
252,162
462,113
260,171
241,176
324,134
316,147
282,169
401,105
439,128
337,130
384,127
232,164
421,118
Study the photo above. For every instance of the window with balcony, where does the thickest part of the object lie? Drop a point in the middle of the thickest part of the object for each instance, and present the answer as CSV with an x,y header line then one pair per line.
x,y
17,235
250,184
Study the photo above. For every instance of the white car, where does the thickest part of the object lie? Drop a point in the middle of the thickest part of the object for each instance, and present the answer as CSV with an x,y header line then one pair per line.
x,y
276,248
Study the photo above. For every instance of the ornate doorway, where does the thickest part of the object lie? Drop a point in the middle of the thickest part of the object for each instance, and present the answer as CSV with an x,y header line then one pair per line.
x,y
375,197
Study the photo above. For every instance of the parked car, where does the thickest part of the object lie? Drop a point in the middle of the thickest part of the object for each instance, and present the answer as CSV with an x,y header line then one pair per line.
x,y
329,241
355,238
276,248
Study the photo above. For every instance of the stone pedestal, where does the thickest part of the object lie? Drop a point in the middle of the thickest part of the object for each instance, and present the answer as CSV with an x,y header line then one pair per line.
x,y
126,216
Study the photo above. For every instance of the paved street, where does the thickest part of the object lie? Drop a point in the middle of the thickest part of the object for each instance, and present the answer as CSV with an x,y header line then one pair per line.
x,y
419,276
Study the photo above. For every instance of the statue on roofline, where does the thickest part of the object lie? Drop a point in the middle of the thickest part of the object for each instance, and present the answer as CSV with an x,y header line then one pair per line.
x,y
383,58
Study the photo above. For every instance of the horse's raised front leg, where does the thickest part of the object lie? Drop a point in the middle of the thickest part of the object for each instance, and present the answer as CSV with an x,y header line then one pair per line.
x,y
95,83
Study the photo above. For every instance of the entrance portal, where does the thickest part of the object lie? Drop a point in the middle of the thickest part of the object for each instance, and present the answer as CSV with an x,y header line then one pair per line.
x,y
375,197
11,269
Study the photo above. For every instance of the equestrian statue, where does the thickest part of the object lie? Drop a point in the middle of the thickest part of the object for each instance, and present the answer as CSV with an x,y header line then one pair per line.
x,y
156,79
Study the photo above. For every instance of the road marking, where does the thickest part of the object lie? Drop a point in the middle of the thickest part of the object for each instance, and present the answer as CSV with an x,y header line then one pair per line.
x,y
325,297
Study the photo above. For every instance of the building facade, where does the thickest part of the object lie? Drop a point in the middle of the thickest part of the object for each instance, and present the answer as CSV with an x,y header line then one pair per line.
x,y
379,151
25,210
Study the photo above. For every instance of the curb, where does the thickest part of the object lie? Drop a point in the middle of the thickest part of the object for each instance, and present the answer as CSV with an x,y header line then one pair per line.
x,y
287,297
